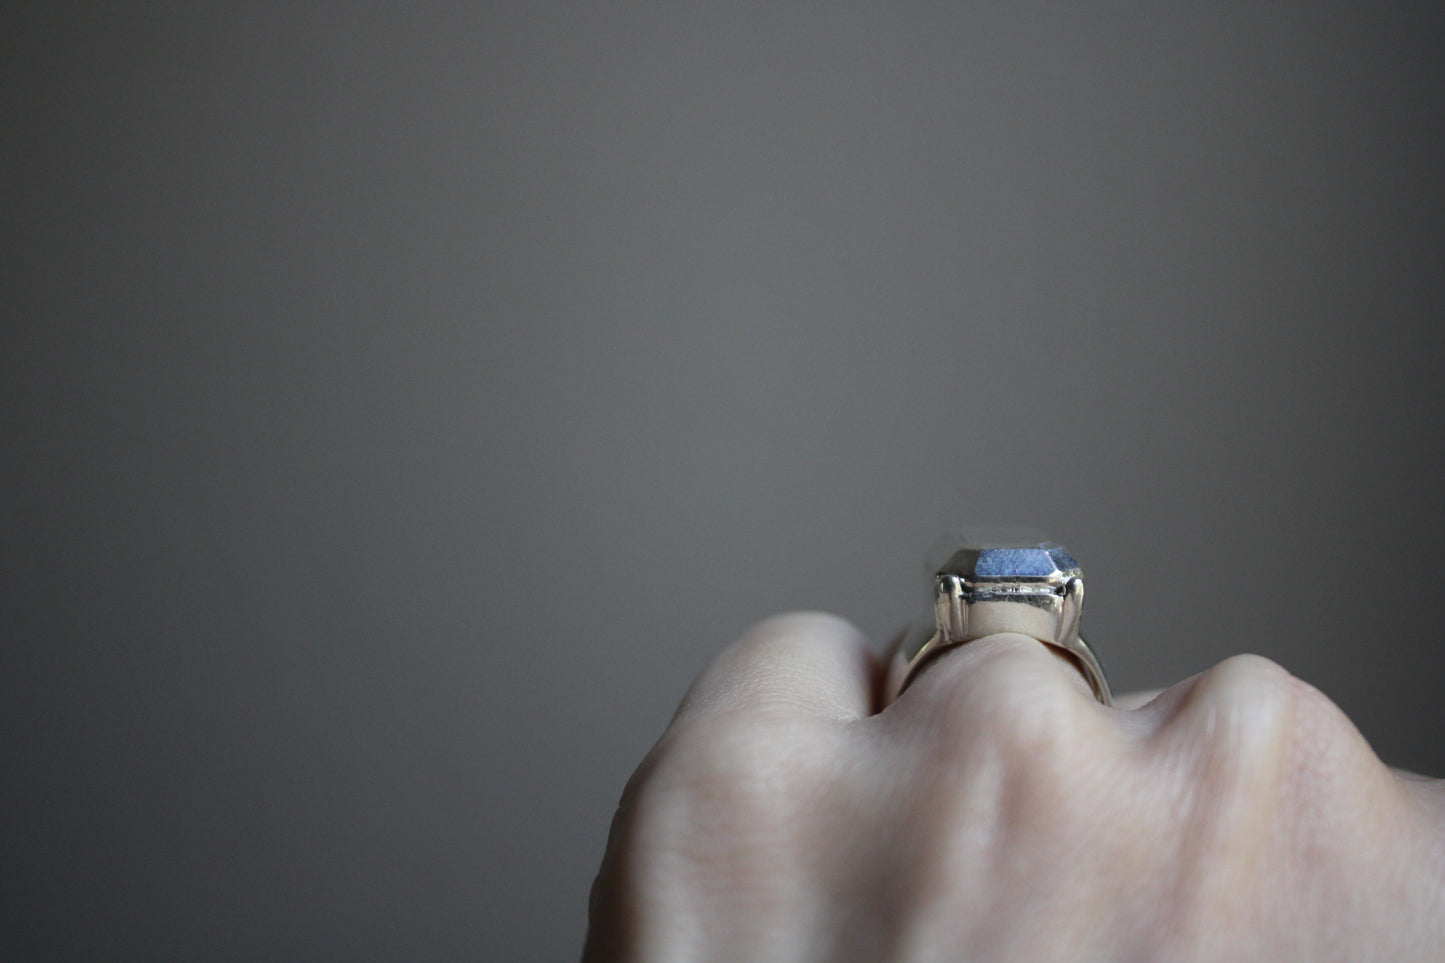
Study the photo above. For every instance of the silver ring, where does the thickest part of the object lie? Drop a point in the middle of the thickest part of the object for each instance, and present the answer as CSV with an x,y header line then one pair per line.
x,y
987,582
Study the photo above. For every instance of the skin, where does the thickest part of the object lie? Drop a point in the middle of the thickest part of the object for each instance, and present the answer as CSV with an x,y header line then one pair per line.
x,y
995,811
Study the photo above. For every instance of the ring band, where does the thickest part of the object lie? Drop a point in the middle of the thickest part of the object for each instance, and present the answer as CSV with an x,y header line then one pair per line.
x,y
1001,582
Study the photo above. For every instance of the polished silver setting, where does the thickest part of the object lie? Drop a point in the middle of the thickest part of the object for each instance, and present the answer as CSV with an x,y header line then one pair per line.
x,y
987,582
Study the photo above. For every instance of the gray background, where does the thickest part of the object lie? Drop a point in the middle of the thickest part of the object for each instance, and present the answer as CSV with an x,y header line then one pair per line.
x,y
401,403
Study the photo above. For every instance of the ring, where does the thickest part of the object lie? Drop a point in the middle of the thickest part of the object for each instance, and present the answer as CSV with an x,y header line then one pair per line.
x,y
987,582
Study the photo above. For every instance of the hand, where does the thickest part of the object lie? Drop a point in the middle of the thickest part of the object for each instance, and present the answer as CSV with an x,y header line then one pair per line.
x,y
995,811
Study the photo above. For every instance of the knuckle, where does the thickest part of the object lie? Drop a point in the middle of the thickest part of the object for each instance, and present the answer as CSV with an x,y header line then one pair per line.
x,y
1250,670
1244,706
740,778
797,662
792,637
1250,715
1230,743
1248,756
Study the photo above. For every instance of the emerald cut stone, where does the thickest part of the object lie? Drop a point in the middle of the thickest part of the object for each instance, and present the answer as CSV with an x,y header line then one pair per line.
x,y
1007,556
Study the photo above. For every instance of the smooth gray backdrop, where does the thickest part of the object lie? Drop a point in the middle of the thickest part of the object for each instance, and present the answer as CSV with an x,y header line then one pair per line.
x,y
402,402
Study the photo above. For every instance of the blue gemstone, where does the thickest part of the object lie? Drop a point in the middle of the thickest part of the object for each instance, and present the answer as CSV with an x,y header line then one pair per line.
x,y
1062,559
1014,563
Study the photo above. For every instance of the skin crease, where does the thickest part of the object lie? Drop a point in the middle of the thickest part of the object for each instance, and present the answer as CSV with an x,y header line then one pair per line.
x,y
995,811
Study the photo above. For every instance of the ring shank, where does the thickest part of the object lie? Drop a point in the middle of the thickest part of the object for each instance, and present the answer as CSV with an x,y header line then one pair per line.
x,y
909,659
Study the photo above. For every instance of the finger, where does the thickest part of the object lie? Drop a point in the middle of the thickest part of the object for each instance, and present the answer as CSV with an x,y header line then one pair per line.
x,y
1005,673
1008,653
807,664
1251,709
1247,693
1130,701
895,642
1429,790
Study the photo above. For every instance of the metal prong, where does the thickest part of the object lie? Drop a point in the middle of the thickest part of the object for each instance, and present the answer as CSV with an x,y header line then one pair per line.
x,y
950,614
1071,611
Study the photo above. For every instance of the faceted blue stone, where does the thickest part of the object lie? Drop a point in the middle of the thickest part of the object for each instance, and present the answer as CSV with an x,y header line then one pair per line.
x,y
1062,559
1003,563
